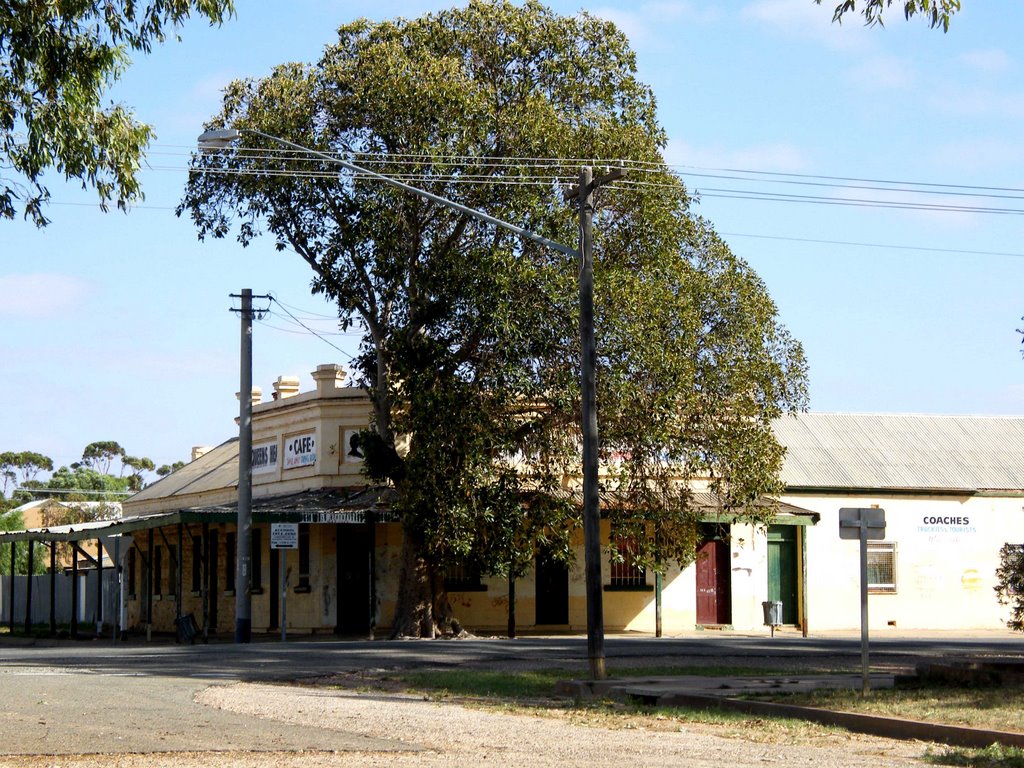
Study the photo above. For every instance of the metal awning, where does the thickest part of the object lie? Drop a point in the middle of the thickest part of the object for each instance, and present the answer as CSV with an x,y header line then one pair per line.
x,y
320,506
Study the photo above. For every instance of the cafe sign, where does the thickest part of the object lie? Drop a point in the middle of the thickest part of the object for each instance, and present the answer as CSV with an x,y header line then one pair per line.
x,y
300,451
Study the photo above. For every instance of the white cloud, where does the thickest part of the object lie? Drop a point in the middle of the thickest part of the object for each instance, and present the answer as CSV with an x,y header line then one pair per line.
x,y
979,102
805,20
644,23
969,156
991,60
782,158
41,295
883,72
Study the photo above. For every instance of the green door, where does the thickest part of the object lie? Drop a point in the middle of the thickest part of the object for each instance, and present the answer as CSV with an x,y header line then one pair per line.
x,y
782,569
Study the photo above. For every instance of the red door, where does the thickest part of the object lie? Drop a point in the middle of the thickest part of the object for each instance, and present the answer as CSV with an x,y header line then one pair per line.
x,y
713,592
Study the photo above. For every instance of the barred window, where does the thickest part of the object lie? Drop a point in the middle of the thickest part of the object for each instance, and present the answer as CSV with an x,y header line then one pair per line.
x,y
460,577
882,566
197,563
626,573
158,571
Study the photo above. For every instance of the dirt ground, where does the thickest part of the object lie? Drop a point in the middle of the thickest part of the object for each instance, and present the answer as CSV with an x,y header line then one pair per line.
x,y
446,733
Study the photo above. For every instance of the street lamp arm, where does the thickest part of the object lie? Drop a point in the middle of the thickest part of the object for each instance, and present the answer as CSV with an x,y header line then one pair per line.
x,y
223,136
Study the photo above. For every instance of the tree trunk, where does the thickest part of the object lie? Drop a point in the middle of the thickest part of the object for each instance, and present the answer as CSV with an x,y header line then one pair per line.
x,y
422,609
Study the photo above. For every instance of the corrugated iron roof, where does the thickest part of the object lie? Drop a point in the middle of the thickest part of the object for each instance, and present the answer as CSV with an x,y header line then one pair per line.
x,y
215,469
902,452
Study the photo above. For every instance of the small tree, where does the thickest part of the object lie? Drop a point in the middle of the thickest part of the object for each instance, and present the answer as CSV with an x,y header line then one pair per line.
x,y
138,465
1010,583
13,520
101,454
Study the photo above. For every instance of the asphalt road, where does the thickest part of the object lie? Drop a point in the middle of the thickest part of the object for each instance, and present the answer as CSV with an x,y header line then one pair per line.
x,y
81,697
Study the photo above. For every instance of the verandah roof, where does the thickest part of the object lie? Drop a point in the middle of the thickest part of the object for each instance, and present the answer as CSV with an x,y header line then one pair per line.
x,y
320,506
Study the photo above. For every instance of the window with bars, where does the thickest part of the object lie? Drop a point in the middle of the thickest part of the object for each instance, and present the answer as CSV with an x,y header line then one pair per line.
x,y
197,564
625,573
158,571
460,577
230,551
882,567
304,585
131,573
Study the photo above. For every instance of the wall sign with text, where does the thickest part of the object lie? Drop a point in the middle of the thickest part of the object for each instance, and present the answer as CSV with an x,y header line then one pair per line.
x,y
300,451
264,458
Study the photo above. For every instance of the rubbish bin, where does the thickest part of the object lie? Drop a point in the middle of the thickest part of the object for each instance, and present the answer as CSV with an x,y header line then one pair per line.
x,y
772,614
187,628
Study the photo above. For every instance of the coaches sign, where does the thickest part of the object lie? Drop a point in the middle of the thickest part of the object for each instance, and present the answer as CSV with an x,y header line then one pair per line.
x,y
300,451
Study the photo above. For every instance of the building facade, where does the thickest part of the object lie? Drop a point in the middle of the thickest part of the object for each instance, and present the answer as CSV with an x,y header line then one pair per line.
x,y
950,488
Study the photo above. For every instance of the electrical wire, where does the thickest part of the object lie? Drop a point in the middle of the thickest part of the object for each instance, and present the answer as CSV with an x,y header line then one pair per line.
x,y
310,330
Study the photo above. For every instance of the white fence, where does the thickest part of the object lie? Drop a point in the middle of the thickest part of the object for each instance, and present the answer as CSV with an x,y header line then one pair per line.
x,y
92,613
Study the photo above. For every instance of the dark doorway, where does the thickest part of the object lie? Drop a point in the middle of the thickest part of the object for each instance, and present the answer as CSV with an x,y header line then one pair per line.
x,y
714,586
353,568
782,570
552,580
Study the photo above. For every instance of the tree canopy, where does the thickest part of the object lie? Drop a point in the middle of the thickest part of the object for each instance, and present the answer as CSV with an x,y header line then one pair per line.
x,y
470,339
936,12
56,62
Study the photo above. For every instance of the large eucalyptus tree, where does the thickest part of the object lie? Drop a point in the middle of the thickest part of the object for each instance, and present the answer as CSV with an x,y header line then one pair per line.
x,y
470,347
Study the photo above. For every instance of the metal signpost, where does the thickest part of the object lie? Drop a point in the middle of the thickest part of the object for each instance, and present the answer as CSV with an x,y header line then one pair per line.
x,y
283,536
863,524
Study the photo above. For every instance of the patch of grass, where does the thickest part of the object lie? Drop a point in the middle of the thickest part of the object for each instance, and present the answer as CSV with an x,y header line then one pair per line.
x,y
531,692
531,684
991,708
540,683
994,756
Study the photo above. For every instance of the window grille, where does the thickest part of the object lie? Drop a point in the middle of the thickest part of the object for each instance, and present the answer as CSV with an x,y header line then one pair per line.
x,y
304,556
882,566
230,550
197,563
131,573
627,573
158,571
257,559
460,577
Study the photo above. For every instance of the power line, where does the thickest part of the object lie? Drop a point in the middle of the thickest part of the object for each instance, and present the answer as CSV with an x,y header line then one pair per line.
x,y
315,333
885,246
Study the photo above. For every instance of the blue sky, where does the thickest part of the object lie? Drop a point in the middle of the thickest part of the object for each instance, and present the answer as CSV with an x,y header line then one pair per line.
x,y
117,327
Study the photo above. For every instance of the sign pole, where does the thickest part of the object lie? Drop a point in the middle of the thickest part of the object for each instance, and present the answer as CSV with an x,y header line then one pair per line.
x,y
862,524
281,554
865,679
283,536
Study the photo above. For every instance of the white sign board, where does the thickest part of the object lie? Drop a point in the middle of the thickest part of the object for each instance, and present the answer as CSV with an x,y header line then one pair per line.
x,y
284,535
264,458
300,451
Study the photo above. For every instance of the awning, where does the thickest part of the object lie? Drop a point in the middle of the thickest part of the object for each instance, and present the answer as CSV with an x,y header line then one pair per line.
x,y
350,506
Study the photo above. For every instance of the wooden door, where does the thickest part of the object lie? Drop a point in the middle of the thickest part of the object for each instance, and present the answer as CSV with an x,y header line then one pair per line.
x,y
714,598
552,582
782,570
353,579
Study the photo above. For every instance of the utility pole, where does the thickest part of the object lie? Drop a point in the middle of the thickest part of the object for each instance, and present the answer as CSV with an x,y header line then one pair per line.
x,y
588,386
243,539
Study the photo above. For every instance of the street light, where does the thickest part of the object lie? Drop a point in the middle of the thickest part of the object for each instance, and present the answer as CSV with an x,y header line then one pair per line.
x,y
584,192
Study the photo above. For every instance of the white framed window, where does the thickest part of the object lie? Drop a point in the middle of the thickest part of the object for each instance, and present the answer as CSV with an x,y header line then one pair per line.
x,y
882,567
